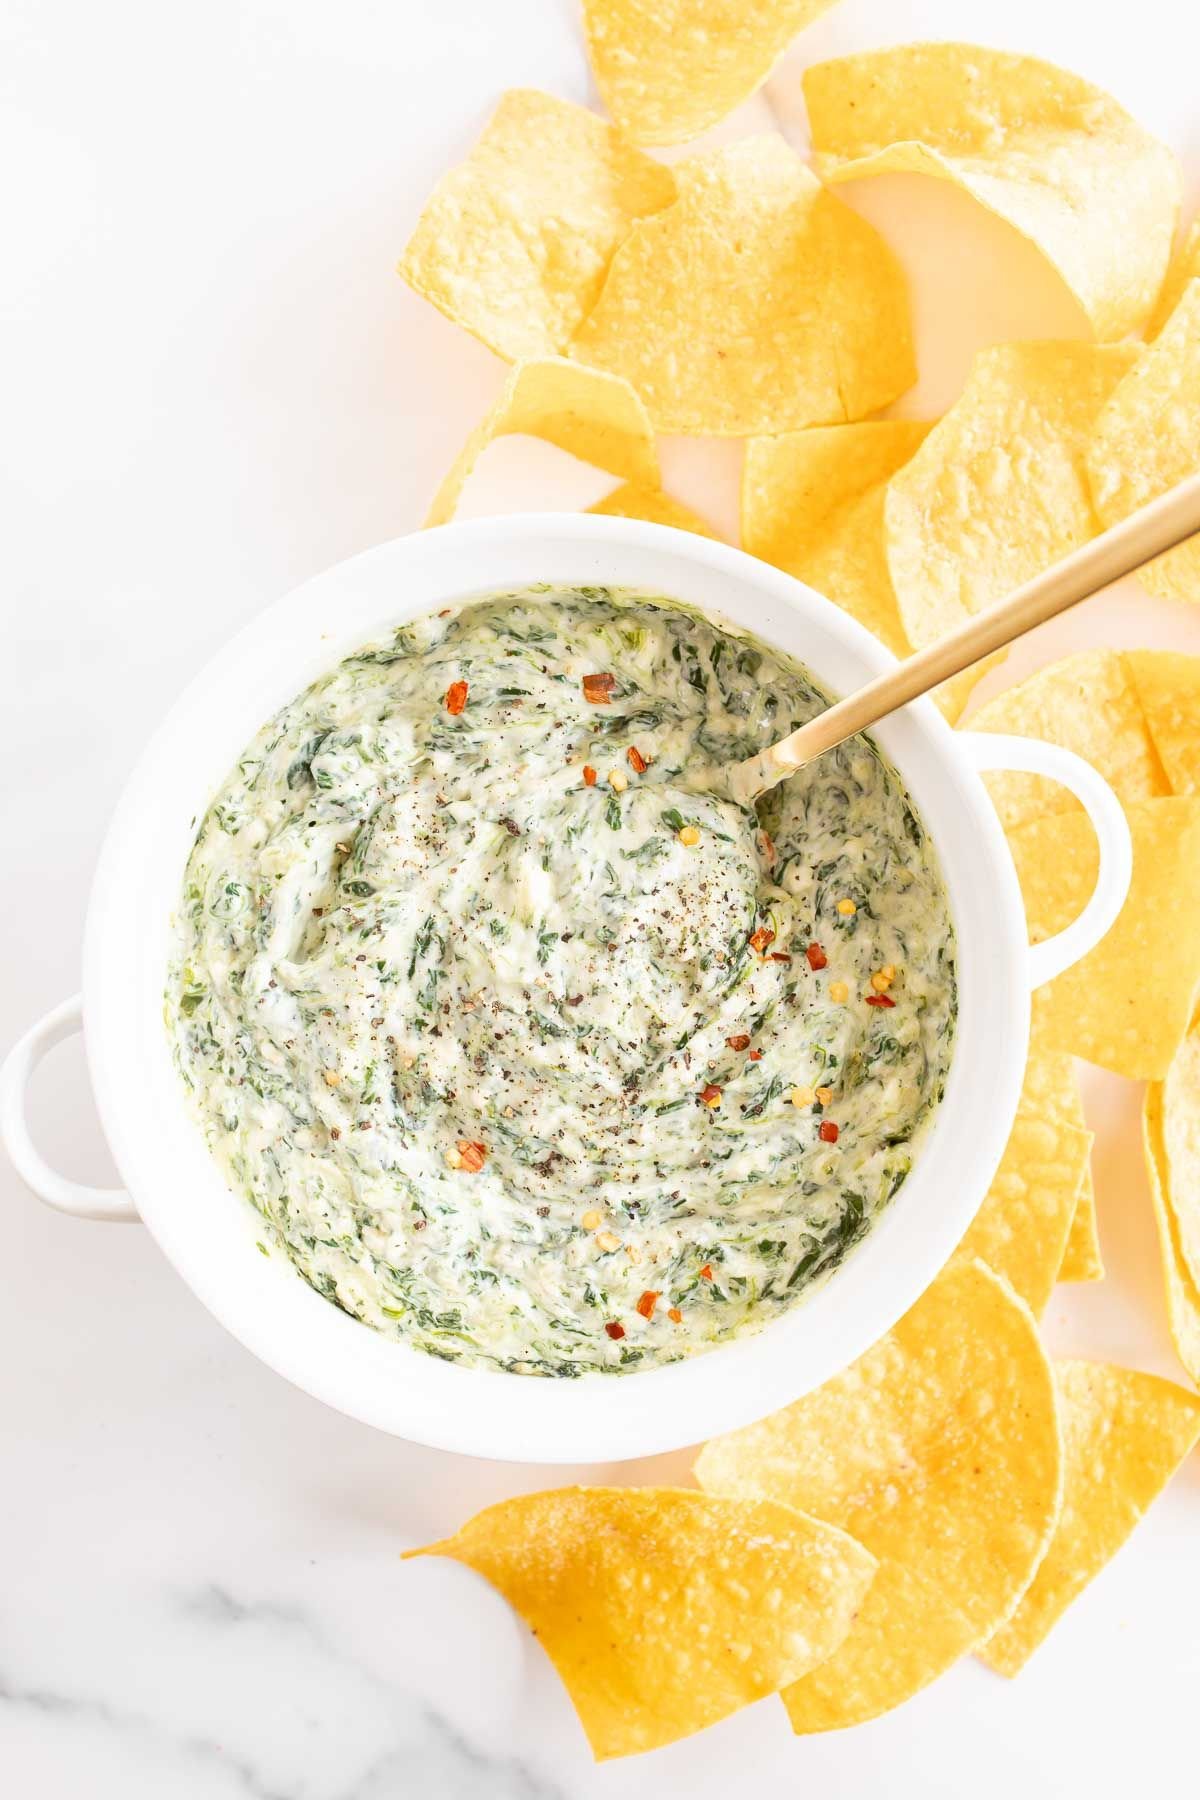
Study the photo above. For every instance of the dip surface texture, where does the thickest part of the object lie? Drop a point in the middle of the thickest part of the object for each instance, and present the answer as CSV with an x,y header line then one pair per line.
x,y
530,1049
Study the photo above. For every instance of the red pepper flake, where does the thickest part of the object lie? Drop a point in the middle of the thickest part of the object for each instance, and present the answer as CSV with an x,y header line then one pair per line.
x,y
880,1000
675,1316
647,1303
710,1096
740,1042
456,697
768,849
827,1131
471,1156
706,1273
761,938
817,958
637,761
780,956
756,1056
597,689
614,1330
589,775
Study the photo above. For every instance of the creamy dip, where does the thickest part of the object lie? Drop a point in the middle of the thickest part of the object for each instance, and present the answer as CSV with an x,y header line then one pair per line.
x,y
530,1049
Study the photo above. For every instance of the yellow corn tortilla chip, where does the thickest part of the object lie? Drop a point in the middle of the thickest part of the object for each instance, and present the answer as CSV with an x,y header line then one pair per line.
x,y
668,69
1082,1259
998,491
592,415
630,501
1052,1086
1168,686
1184,267
756,303
1126,1005
1088,703
1124,1436
1052,155
664,1609
939,1451
1180,1139
1183,1296
514,244
1148,438
1022,1228
812,504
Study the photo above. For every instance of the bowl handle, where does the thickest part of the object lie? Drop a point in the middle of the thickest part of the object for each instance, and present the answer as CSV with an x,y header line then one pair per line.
x,y
68,1196
1029,756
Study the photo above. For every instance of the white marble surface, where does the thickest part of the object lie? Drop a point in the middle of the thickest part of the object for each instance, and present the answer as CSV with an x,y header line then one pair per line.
x,y
214,386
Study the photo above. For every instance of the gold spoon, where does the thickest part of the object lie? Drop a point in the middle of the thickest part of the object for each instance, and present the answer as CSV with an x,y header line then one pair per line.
x,y
1138,539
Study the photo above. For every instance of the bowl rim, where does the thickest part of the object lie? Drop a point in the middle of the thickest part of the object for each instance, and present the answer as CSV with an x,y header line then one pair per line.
x,y
269,1307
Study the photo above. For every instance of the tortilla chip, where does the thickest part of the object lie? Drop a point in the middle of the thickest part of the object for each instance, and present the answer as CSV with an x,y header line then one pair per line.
x,y
756,303
939,1451
1082,1258
630,501
1023,1226
663,1609
812,504
1124,1436
1180,1140
1052,155
998,491
1168,686
1148,438
589,414
1052,1085
668,69
514,244
1126,1005
1184,267
1183,1296
1088,703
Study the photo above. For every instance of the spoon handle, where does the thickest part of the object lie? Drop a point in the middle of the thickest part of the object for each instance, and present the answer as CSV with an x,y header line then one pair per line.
x,y
1138,539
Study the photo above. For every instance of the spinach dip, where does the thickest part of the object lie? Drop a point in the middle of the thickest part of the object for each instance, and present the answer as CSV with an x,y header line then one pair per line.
x,y
531,1049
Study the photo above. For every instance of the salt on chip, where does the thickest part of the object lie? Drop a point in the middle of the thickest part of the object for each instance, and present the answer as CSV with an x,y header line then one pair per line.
x,y
1023,1226
668,69
999,489
664,1609
938,1450
1183,1296
631,501
1088,703
1125,1005
757,302
1046,151
1168,687
1147,439
1124,1436
515,242
591,415
812,504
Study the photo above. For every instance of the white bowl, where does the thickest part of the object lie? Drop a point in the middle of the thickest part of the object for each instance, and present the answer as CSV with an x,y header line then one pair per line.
x,y
209,1233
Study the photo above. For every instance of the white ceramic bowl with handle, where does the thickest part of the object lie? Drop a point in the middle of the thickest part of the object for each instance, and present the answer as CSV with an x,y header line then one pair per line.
x,y
209,1233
